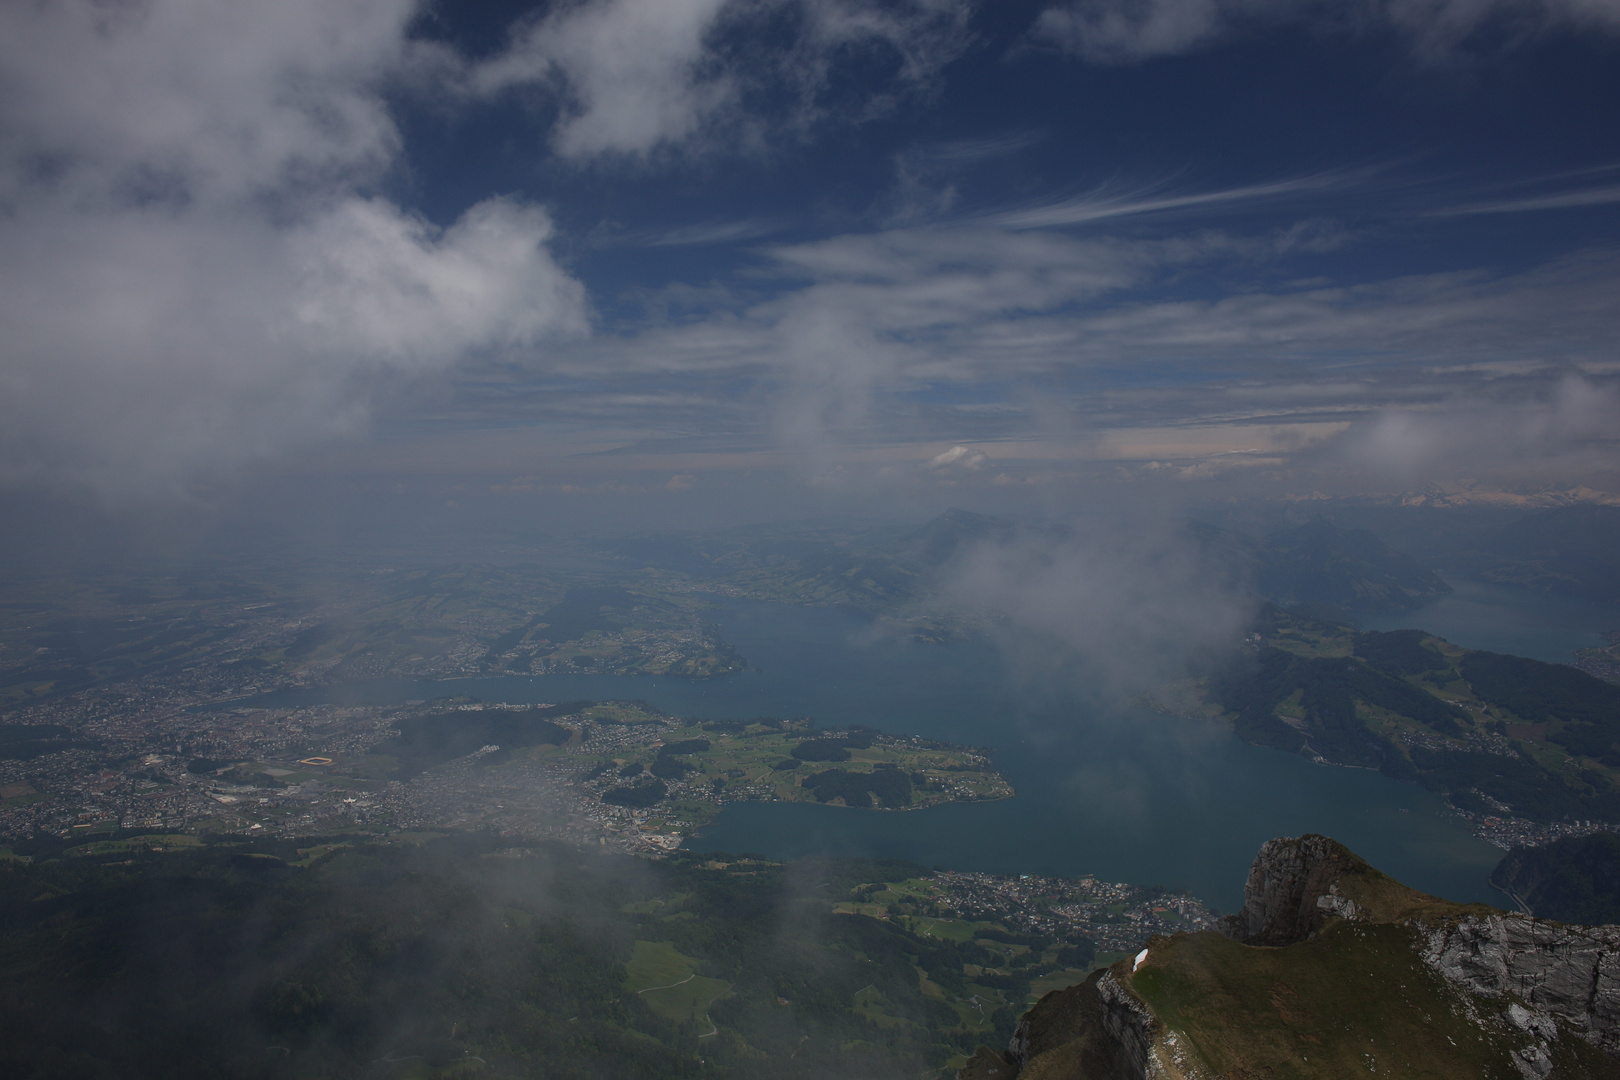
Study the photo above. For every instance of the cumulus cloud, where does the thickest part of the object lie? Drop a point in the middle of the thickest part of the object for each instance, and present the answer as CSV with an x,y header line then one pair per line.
x,y
200,269
179,101
958,457
643,75
195,273
374,282
635,69
1128,31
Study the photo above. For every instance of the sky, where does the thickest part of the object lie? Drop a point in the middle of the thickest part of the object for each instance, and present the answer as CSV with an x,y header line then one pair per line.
x,y
691,261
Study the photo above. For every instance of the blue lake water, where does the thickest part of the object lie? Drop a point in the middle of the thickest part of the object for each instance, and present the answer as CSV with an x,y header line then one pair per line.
x,y
1125,794
1510,619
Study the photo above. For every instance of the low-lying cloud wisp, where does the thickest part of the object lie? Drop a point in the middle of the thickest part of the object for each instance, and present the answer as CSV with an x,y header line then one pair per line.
x,y
1119,607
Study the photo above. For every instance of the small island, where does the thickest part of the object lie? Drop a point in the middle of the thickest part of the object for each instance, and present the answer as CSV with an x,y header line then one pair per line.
x,y
672,776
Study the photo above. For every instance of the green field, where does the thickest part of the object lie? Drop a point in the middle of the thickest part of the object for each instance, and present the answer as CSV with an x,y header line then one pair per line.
x,y
669,983
944,929
1057,980
746,761
147,842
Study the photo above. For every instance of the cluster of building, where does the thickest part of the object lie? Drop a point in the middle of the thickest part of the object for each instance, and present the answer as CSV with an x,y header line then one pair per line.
x,y
1508,832
1117,918
1501,828
128,758
1474,742
1602,663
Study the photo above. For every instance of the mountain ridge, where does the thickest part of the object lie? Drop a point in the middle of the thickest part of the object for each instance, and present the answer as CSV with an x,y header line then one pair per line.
x,y
1333,967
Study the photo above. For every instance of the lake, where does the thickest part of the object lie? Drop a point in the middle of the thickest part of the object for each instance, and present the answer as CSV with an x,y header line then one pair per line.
x,y
1126,794
1510,619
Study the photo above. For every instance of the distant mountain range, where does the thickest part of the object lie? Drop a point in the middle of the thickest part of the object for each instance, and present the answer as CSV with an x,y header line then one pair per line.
x,y
1325,568
1572,549
1317,565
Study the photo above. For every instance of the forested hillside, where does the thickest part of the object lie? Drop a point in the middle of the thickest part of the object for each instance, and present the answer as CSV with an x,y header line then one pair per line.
x,y
1494,733
458,956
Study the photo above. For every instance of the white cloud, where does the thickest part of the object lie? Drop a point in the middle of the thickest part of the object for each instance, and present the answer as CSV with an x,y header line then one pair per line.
x,y
1564,200
144,349
1568,428
1133,602
639,76
1128,31
1087,344
188,100
1103,205
200,273
373,282
194,277
958,456
1121,31
635,69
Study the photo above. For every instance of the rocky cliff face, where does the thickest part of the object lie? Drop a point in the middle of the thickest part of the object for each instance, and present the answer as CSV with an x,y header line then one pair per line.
x,y
1537,998
1293,889
1071,1033
1557,973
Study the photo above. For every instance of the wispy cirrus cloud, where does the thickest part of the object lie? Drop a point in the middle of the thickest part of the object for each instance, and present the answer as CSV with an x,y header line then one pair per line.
x,y
1106,205
697,234
1130,31
1563,200
965,335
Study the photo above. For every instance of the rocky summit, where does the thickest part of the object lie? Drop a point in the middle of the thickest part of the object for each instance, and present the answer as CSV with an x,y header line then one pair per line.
x,y
1333,969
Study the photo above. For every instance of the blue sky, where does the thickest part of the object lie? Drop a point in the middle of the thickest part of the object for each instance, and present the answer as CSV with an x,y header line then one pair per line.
x,y
848,252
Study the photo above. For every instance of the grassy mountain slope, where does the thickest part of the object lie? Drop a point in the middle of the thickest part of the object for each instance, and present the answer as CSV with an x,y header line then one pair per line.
x,y
1355,986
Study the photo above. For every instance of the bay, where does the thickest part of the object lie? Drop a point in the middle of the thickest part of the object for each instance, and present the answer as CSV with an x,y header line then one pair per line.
x,y
1126,794
1509,619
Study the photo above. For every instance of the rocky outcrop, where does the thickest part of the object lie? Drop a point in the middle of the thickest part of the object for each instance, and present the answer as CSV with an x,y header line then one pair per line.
x,y
1083,1031
1293,889
1129,1025
1534,990
1557,972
